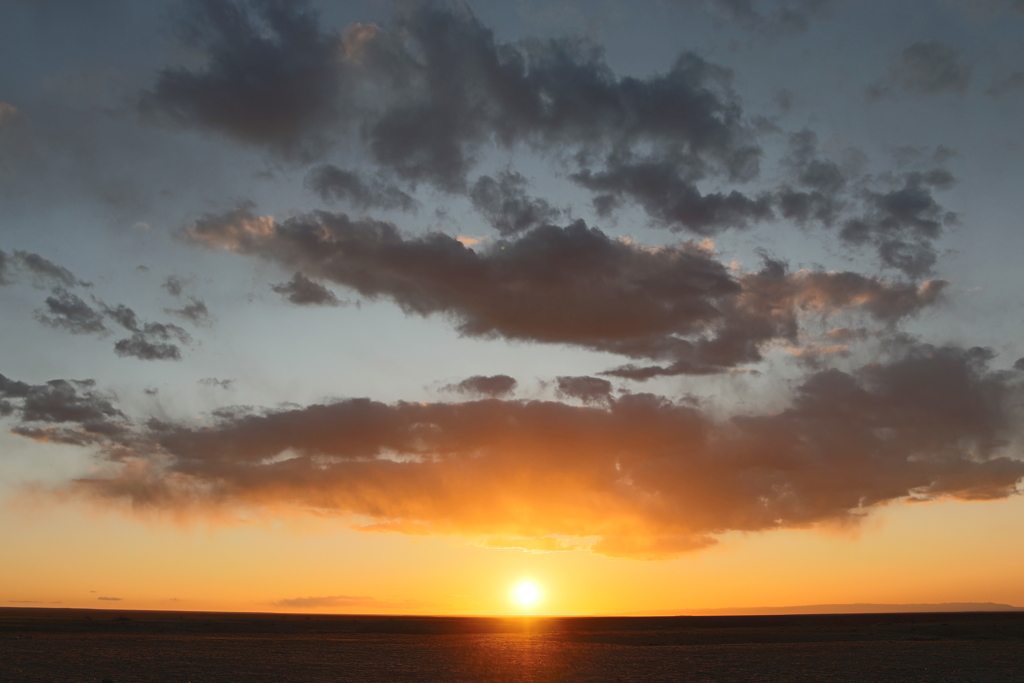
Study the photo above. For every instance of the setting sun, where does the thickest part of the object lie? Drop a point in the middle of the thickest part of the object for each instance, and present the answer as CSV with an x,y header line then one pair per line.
x,y
526,594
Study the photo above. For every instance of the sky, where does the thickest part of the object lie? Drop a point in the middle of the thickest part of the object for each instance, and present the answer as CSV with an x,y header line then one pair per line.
x,y
384,306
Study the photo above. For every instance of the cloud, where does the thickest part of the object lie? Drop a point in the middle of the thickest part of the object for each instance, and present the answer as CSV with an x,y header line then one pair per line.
x,y
214,382
43,272
152,344
897,214
903,223
67,311
1012,83
505,204
270,75
346,601
771,16
46,270
927,67
669,197
102,597
674,303
637,476
195,312
586,389
427,94
64,411
335,184
302,291
493,386
149,341
174,285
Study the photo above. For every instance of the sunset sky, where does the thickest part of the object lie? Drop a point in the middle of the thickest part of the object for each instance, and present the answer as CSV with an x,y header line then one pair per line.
x,y
386,306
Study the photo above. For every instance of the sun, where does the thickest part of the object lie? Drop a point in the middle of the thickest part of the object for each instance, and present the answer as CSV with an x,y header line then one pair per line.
x,y
527,593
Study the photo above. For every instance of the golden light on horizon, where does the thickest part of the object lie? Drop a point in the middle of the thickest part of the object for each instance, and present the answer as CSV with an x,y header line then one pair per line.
x,y
527,594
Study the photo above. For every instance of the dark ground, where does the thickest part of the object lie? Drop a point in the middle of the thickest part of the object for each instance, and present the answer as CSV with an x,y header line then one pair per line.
x,y
80,646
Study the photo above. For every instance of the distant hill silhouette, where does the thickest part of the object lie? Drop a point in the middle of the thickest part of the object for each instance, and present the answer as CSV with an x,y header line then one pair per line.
x,y
854,608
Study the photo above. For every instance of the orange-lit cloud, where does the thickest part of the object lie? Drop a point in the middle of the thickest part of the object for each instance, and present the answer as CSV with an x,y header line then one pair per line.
x,y
639,476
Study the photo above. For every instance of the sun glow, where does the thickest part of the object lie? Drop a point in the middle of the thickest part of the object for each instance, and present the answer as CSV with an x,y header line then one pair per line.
x,y
526,594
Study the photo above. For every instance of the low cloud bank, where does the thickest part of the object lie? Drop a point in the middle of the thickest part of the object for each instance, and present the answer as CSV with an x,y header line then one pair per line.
x,y
635,475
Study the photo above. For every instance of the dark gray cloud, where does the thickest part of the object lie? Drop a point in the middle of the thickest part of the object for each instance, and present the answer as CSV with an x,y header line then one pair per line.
x,y
46,270
66,411
669,197
335,184
586,389
493,386
195,311
302,291
42,272
927,67
270,77
67,311
153,341
149,341
174,285
569,285
903,223
428,93
897,214
1012,83
646,476
122,315
504,203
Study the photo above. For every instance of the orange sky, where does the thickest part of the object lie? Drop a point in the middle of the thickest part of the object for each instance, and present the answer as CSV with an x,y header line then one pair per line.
x,y
382,306
922,553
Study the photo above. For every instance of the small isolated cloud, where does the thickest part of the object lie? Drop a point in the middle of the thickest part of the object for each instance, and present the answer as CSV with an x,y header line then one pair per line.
x,y
494,386
103,597
346,602
927,67
544,544
174,285
214,382
302,291
195,312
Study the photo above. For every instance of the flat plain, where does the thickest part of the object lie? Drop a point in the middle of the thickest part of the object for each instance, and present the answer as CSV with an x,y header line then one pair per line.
x,y
122,646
